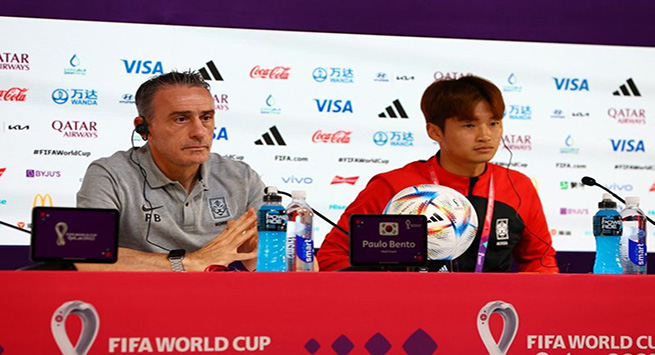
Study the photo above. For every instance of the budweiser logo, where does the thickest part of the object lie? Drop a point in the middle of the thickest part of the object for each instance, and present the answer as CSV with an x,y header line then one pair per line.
x,y
275,73
336,137
344,180
13,94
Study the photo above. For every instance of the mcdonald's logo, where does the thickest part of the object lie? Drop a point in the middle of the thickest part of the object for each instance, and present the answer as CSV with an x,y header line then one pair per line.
x,y
42,200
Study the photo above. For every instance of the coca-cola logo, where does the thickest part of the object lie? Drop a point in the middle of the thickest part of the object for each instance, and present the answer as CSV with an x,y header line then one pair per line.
x,y
13,94
342,137
278,72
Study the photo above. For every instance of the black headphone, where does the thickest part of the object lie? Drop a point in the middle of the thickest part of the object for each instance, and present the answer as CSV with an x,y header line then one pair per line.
x,y
142,128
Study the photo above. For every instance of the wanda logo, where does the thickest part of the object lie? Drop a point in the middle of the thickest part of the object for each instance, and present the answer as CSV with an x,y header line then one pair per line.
x,y
276,73
342,137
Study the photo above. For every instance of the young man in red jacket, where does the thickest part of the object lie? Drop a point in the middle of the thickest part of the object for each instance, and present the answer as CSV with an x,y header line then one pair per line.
x,y
465,117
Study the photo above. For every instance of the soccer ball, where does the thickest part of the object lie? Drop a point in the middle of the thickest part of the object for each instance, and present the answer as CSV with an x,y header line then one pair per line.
x,y
452,221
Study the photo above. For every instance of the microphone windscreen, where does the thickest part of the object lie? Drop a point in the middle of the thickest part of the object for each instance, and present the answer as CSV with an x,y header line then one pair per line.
x,y
589,181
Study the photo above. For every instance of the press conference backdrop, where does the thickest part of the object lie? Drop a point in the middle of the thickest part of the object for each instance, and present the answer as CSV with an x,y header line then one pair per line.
x,y
322,112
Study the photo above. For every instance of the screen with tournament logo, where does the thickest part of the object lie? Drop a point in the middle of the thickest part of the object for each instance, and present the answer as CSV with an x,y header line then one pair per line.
x,y
74,234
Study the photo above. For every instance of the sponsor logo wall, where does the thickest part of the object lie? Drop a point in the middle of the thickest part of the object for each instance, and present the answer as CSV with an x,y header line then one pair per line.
x,y
324,112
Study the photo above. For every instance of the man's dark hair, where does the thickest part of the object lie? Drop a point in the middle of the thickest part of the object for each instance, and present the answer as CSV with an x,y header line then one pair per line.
x,y
448,98
147,90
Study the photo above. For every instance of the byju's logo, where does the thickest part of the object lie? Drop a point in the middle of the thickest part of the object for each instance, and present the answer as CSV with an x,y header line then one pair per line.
x,y
519,112
394,138
344,180
573,211
271,107
569,146
267,140
518,141
571,84
212,74
221,102
334,106
306,180
13,94
76,129
14,61
127,99
628,145
390,112
279,72
75,67
449,75
628,115
220,133
334,75
30,173
338,137
143,66
75,97
629,90
512,84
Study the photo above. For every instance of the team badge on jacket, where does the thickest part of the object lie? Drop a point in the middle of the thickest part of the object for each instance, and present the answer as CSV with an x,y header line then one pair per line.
x,y
219,208
502,231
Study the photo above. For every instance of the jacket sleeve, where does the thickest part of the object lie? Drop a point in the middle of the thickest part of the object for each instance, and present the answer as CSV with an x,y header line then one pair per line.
x,y
535,252
334,252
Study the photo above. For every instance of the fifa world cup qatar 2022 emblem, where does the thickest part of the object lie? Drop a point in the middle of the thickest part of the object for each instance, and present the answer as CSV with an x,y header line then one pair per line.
x,y
510,326
90,326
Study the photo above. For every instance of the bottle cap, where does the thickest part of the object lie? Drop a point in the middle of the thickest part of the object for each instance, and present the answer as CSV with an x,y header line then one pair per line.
x,y
271,197
607,202
632,200
300,194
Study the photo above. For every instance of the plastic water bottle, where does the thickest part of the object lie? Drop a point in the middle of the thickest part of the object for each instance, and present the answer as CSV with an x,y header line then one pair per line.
x,y
633,239
272,228
300,242
607,230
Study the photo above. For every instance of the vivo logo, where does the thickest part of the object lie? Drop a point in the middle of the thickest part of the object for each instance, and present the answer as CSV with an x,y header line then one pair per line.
x,y
628,145
334,106
574,84
297,180
143,67
618,187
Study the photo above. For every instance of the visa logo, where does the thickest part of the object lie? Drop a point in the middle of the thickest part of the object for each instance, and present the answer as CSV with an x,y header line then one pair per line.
x,y
297,180
143,67
628,145
569,84
334,106
222,134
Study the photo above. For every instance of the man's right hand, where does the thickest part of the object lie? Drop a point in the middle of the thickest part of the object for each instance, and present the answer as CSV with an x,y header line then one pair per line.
x,y
224,249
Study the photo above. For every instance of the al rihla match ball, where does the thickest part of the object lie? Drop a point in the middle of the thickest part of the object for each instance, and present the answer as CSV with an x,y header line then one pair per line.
x,y
452,221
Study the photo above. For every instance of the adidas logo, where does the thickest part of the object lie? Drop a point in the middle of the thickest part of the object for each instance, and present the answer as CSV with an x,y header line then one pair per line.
x,y
213,70
266,137
625,90
390,111
443,269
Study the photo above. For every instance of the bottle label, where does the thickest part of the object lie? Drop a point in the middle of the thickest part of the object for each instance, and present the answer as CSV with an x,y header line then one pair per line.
x,y
275,220
305,249
607,225
637,248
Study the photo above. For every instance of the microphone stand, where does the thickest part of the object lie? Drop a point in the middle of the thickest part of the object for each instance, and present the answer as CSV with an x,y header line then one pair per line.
x,y
589,181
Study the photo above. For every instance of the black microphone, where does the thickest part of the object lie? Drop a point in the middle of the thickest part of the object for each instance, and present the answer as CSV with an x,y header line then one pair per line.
x,y
589,181
14,227
266,191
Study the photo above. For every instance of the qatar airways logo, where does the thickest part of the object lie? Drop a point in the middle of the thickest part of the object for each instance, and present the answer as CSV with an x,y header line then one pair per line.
x,y
13,94
518,141
76,129
278,72
628,115
338,137
14,61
